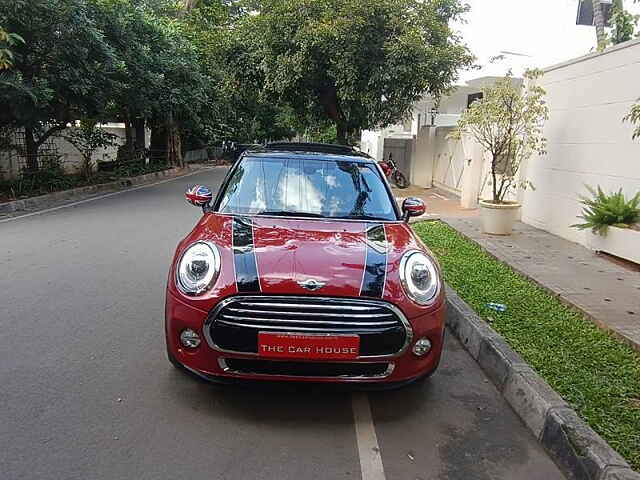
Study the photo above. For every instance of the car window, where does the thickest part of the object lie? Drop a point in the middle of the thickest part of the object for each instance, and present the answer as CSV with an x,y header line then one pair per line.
x,y
296,186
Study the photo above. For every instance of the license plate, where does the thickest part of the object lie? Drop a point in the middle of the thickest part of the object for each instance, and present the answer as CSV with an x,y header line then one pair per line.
x,y
316,347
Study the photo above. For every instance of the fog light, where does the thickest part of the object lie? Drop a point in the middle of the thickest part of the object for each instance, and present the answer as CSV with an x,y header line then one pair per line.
x,y
422,347
189,338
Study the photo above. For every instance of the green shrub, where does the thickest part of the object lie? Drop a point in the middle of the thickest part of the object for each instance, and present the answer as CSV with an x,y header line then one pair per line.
x,y
602,211
51,177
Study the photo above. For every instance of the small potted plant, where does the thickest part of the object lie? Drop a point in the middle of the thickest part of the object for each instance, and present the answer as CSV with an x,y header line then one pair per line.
x,y
614,223
507,122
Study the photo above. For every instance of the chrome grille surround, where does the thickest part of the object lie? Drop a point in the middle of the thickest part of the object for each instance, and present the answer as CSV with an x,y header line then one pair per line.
x,y
391,317
222,363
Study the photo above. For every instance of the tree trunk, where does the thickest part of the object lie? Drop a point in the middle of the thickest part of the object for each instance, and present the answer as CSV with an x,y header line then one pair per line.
x,y
158,144
341,133
128,135
598,20
174,147
328,98
31,149
139,134
494,163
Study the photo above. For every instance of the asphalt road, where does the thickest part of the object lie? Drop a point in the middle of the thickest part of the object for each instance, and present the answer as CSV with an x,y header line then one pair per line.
x,y
86,391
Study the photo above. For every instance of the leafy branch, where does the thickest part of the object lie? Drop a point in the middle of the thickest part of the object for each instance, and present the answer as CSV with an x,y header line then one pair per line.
x,y
634,118
602,211
87,138
507,122
8,40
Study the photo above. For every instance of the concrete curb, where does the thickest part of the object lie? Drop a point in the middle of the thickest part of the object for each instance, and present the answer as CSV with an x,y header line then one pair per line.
x,y
579,451
44,201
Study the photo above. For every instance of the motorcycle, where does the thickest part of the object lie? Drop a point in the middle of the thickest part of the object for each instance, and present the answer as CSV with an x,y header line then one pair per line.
x,y
390,170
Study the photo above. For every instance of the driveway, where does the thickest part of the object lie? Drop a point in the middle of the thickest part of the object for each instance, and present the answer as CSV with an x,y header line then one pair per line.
x,y
87,392
440,203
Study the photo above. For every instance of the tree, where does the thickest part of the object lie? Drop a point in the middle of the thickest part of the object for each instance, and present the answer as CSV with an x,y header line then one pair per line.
x,y
158,80
60,69
623,24
235,109
508,123
357,63
87,138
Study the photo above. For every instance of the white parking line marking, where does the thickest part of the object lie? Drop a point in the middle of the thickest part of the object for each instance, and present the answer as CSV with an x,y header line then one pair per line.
x,y
368,448
437,195
100,197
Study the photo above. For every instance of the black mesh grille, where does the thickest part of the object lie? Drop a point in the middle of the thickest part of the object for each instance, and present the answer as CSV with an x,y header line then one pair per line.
x,y
307,369
235,326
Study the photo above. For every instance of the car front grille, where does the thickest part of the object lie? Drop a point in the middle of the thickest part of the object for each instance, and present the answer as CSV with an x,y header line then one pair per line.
x,y
234,324
306,369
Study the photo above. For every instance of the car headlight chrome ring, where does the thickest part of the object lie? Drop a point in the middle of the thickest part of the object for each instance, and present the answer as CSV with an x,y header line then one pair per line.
x,y
419,277
198,268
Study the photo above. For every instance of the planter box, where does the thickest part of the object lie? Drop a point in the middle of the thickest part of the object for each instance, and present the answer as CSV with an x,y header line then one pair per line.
x,y
498,219
621,242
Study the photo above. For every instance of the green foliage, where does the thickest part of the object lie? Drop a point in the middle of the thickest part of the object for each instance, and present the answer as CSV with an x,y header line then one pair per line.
x,y
242,113
108,59
602,211
358,63
634,118
596,374
53,178
158,75
87,138
7,40
60,70
508,123
623,24
321,134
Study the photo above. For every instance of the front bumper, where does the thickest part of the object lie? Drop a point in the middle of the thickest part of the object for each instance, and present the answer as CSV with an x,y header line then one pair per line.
x,y
212,363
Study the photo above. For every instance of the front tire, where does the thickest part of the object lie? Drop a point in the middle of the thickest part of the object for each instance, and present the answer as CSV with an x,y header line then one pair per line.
x,y
400,180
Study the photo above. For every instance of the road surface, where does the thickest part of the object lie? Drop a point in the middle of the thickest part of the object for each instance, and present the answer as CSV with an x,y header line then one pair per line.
x,y
87,393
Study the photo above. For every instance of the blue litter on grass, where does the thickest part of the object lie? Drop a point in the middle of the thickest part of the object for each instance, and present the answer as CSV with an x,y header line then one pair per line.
x,y
498,307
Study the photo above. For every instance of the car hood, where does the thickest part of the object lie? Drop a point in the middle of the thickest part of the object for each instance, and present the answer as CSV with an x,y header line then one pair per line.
x,y
285,256
293,253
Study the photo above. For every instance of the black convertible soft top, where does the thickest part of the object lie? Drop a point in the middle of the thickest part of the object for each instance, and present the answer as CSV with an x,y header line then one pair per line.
x,y
316,148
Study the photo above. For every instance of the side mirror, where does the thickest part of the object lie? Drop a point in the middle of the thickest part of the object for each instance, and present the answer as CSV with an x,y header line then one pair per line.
x,y
198,195
413,207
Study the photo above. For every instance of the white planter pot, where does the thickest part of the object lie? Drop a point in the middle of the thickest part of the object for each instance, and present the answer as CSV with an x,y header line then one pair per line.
x,y
498,219
621,242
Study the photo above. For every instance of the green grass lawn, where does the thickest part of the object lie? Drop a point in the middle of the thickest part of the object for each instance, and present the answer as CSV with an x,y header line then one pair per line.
x,y
596,374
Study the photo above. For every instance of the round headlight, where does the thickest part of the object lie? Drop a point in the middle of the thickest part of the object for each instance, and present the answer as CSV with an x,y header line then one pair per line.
x,y
419,277
198,268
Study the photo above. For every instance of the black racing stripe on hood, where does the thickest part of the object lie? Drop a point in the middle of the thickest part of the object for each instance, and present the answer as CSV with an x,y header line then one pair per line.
x,y
375,268
244,256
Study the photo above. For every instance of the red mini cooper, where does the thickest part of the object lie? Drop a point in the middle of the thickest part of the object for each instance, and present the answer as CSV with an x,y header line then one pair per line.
x,y
304,269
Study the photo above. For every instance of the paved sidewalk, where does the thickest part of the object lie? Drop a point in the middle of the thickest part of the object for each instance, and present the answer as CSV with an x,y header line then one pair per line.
x,y
606,292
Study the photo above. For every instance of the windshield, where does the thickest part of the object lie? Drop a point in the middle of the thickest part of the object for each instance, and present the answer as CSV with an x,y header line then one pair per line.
x,y
305,187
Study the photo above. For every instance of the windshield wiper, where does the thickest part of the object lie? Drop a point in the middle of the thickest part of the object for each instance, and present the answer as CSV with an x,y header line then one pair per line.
x,y
363,217
285,213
